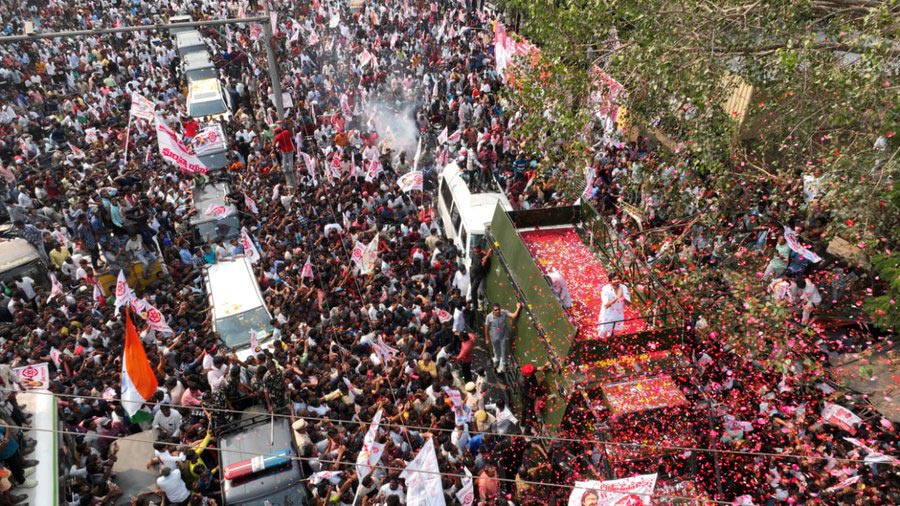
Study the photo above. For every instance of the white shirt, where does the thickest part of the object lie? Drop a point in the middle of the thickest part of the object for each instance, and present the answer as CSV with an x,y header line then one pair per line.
x,y
170,424
167,459
173,486
27,287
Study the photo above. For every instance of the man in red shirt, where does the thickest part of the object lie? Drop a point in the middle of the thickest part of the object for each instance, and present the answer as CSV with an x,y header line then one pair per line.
x,y
285,145
464,358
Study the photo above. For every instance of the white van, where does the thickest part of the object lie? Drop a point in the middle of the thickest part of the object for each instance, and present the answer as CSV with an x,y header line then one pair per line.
x,y
237,305
197,66
181,18
465,215
189,41
205,99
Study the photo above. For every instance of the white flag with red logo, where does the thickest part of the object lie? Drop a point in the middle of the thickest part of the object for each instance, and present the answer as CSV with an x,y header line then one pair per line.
x,y
254,340
124,295
250,204
373,169
249,246
443,136
790,235
410,181
141,107
310,165
155,318
76,151
371,451
307,271
442,316
218,211
56,288
98,294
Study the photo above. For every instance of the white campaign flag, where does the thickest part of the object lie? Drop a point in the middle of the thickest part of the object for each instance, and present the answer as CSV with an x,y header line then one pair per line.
x,y
56,288
466,494
141,107
124,294
153,316
171,148
790,235
364,256
423,479
249,246
371,451
632,490
410,181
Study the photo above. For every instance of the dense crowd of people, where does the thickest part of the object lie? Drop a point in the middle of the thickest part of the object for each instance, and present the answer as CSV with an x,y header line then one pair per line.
x,y
365,83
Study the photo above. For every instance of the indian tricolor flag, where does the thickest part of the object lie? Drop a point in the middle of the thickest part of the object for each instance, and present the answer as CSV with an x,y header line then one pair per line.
x,y
138,379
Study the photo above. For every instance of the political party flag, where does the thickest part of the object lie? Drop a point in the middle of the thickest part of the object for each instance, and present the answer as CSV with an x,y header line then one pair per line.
x,y
423,479
254,340
76,151
364,255
124,295
138,379
141,107
307,271
455,136
318,477
250,204
56,288
218,211
373,169
98,295
313,38
156,320
442,316
410,181
310,165
249,246
443,136
589,183
172,149
55,356
371,451
466,494
790,235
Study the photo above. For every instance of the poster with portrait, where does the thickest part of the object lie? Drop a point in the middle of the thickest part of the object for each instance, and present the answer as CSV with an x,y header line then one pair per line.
x,y
631,491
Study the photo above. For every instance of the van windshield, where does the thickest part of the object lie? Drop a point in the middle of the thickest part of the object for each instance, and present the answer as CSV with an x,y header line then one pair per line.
x,y
218,230
235,329
34,270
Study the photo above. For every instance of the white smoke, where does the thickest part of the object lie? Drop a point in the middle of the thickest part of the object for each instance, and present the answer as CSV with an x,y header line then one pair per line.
x,y
396,126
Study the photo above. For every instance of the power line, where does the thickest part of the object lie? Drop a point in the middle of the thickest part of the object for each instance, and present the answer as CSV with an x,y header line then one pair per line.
x,y
493,434
127,29
341,463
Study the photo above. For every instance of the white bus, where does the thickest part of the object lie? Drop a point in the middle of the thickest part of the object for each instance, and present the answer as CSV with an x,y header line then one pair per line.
x,y
237,305
465,215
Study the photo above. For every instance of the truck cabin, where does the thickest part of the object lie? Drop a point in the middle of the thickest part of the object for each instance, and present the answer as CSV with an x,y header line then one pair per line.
x,y
258,462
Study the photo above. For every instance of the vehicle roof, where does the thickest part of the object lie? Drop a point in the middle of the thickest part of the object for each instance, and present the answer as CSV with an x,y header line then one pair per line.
x,y
16,252
196,60
189,39
475,209
236,286
210,194
205,89
262,438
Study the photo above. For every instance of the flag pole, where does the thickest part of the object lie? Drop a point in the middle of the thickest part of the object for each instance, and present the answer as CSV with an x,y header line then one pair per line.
x,y
128,137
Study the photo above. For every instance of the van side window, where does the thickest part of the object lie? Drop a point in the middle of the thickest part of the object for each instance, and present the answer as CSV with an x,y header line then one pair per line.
x,y
462,238
454,217
446,194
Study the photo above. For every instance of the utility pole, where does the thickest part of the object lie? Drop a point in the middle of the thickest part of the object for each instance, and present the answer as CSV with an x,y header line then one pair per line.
x,y
273,65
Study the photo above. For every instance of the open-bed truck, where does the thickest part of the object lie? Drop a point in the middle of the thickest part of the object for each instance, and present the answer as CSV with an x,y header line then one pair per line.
x,y
598,388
